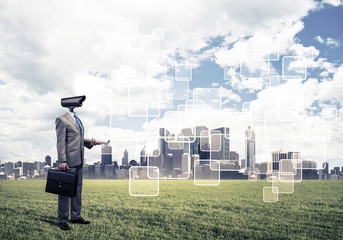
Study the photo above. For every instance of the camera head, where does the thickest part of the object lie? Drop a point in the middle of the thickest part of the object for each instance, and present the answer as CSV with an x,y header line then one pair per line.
x,y
73,102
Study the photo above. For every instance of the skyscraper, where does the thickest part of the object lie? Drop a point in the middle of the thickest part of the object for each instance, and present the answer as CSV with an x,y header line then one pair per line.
x,y
8,167
106,156
195,147
109,171
28,168
162,147
279,155
125,159
143,157
168,164
36,165
18,164
224,153
276,157
48,160
185,164
250,149
325,169
337,170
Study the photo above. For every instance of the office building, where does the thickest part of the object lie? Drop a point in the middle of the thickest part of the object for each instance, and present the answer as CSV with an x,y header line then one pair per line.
x,y
48,160
3,176
185,164
234,155
18,164
162,142
18,172
337,170
97,170
187,136
123,174
223,142
279,155
309,169
133,163
125,159
309,164
110,171
193,159
333,177
46,168
55,164
168,164
37,166
325,167
266,167
28,168
243,165
91,171
156,160
276,157
187,132
143,157
8,168
177,157
250,149
195,145
106,156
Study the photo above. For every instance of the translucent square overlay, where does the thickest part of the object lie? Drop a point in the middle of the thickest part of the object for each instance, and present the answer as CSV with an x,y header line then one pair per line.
x,y
270,194
140,184
294,67
292,166
284,182
203,173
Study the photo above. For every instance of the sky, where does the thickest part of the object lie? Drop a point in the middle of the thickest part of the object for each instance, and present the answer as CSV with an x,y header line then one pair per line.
x,y
144,65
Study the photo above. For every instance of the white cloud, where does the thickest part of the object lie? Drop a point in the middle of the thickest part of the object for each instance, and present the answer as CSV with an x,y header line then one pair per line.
x,y
331,89
334,43
334,3
248,58
319,39
330,42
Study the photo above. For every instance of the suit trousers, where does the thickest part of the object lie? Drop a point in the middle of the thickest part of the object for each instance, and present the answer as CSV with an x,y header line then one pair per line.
x,y
75,202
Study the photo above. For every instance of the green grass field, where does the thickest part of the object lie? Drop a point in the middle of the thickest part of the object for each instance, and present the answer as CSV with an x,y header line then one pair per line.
x,y
232,210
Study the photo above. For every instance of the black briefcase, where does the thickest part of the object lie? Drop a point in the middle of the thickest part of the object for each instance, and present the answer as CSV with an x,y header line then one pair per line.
x,y
62,182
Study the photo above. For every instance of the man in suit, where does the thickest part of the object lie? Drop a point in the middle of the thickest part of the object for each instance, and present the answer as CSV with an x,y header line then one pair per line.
x,y
70,151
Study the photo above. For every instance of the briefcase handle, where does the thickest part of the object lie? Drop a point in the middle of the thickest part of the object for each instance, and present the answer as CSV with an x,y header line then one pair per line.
x,y
68,170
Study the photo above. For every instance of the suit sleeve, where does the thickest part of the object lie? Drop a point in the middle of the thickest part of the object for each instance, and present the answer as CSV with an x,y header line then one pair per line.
x,y
61,140
87,143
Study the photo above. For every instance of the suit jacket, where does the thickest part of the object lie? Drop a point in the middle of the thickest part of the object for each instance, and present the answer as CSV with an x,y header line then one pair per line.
x,y
70,141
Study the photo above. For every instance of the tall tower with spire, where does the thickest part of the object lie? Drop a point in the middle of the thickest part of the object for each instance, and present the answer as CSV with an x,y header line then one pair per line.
x,y
250,149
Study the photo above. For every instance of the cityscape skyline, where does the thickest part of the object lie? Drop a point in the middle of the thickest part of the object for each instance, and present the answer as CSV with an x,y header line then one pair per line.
x,y
175,158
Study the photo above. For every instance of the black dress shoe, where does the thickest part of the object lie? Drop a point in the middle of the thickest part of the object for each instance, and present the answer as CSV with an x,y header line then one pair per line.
x,y
64,226
80,221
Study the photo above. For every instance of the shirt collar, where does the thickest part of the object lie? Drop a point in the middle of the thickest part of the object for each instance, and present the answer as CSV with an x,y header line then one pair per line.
x,y
71,114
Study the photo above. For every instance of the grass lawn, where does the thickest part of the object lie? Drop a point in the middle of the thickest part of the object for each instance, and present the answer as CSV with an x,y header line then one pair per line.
x,y
232,210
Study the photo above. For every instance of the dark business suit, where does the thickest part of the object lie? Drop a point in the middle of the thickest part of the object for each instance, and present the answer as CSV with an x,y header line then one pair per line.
x,y
70,149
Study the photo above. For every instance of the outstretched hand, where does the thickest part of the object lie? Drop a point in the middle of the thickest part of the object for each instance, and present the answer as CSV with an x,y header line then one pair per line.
x,y
94,142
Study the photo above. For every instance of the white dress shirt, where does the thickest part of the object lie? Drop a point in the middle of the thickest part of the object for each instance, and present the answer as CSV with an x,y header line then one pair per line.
x,y
72,115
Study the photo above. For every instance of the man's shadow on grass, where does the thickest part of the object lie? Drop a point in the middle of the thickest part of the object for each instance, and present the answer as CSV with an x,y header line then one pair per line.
x,y
48,219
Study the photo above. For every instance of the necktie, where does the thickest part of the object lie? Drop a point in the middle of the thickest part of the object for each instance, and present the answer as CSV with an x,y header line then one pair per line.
x,y
78,122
